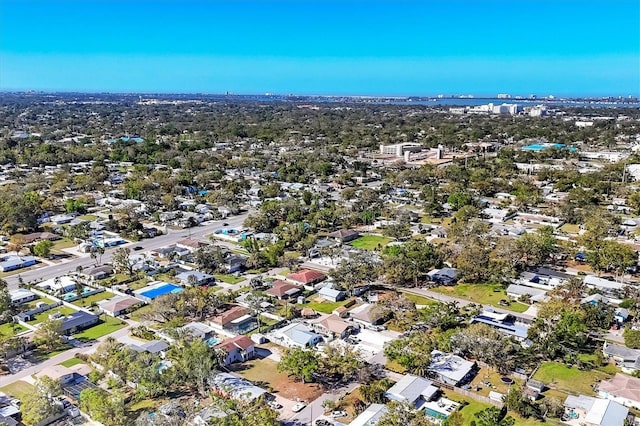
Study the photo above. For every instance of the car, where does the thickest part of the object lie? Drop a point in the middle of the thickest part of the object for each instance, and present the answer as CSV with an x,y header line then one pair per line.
x,y
138,248
323,422
225,224
298,407
274,405
338,413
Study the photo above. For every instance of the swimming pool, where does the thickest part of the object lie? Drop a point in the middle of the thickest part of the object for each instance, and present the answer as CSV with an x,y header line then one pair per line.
x,y
68,296
435,414
161,290
213,341
542,147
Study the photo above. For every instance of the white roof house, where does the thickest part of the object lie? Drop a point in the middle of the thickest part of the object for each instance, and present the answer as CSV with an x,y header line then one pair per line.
x,y
412,389
59,285
370,416
450,368
597,412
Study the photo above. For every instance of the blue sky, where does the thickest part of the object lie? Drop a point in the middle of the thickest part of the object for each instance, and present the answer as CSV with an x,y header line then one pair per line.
x,y
368,47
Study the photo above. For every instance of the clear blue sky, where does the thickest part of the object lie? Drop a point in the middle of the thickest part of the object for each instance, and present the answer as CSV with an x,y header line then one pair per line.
x,y
368,47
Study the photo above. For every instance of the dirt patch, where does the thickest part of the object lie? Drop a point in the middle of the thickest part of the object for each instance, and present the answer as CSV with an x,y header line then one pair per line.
x,y
264,373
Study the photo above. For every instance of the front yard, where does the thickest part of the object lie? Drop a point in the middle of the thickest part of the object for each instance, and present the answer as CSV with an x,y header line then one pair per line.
x,y
486,294
570,380
106,326
323,306
229,279
370,242
264,373
10,329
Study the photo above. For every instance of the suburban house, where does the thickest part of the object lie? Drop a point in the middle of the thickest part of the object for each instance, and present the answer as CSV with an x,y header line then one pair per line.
x,y
40,236
330,294
119,305
235,263
237,319
626,358
78,320
332,326
11,263
451,369
621,315
58,285
608,287
439,232
344,235
57,372
516,291
195,278
98,273
296,335
413,390
369,315
154,347
307,277
236,387
21,295
622,389
283,290
590,411
198,330
238,349
370,416
504,323
444,276
191,244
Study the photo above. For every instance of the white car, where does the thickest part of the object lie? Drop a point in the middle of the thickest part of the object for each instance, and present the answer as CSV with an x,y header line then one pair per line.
x,y
298,407
337,414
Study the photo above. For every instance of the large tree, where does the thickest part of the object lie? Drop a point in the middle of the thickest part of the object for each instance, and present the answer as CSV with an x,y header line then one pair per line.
x,y
41,403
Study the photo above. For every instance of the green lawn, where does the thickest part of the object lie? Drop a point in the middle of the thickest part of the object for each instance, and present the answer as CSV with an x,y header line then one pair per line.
x,y
138,314
486,294
88,301
370,242
468,410
107,326
64,310
324,307
91,217
32,304
18,389
71,362
11,329
419,300
229,279
569,228
63,244
570,380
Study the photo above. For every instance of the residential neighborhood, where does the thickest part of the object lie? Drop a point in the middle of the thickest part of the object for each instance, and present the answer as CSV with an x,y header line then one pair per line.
x,y
182,261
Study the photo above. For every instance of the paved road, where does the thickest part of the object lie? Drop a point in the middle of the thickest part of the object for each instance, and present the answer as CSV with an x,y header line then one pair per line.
x,y
27,372
173,236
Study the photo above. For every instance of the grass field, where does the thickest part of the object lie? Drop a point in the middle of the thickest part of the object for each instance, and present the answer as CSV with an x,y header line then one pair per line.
x,y
138,314
485,294
107,326
569,228
324,307
419,300
370,242
264,373
11,329
63,244
229,279
63,310
94,298
570,380
17,389
71,362
88,217
32,304
468,410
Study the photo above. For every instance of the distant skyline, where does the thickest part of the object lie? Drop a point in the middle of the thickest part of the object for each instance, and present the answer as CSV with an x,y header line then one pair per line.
x,y
323,47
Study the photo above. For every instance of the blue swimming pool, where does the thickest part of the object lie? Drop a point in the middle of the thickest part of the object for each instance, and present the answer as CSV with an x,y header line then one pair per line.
x,y
161,290
542,147
433,413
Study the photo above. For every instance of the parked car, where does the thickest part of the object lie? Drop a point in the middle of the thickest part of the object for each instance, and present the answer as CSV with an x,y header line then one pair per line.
x,y
298,407
338,413
274,405
323,422
138,248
